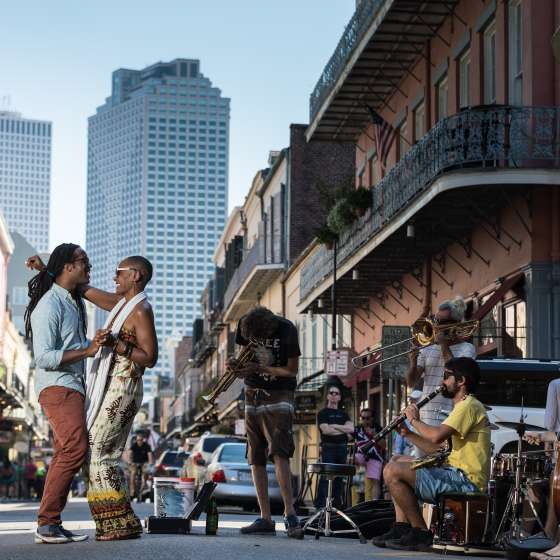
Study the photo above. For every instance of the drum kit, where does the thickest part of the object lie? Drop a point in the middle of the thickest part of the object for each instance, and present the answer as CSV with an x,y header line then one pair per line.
x,y
508,513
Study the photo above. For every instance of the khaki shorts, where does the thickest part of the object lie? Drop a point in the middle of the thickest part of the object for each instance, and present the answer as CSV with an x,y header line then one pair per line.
x,y
268,421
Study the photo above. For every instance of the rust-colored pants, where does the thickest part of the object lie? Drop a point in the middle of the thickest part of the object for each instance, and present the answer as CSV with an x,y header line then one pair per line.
x,y
65,411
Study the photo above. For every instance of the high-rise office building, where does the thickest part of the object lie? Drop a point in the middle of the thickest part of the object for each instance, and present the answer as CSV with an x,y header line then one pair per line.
x,y
25,176
157,186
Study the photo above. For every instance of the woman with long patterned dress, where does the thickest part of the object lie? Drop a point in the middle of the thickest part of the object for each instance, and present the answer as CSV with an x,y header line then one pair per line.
x,y
115,394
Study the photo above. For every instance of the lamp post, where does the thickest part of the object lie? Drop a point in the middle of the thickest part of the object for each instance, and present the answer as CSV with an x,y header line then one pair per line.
x,y
333,299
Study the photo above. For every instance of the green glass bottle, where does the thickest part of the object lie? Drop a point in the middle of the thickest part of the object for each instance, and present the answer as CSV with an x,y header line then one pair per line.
x,y
212,517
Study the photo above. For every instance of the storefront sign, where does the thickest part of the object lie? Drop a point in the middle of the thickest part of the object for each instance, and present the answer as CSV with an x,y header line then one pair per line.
x,y
240,427
338,362
395,367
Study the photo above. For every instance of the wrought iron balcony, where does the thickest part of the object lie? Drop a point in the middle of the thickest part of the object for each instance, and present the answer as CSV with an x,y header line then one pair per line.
x,y
263,263
486,137
204,348
354,31
379,47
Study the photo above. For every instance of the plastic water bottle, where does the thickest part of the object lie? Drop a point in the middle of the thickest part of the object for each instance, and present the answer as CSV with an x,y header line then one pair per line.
x,y
212,517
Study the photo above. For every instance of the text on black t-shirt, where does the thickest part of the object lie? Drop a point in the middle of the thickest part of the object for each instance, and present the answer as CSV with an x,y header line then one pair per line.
x,y
274,352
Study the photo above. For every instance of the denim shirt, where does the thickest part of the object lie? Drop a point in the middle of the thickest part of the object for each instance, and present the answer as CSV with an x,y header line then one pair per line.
x,y
57,327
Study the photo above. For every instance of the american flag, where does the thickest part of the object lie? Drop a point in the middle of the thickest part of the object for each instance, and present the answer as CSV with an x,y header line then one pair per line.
x,y
384,135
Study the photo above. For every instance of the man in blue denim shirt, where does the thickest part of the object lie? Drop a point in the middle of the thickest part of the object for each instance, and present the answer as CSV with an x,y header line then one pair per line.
x,y
56,321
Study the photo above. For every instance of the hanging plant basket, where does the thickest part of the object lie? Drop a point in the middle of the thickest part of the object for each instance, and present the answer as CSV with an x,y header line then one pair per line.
x,y
341,216
360,200
326,236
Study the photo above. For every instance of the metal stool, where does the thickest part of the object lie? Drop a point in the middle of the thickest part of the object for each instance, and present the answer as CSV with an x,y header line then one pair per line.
x,y
323,516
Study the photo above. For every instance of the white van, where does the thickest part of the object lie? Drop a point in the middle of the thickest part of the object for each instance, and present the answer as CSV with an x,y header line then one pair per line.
x,y
506,384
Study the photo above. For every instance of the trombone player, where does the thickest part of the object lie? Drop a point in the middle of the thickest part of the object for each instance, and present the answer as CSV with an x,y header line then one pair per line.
x,y
428,363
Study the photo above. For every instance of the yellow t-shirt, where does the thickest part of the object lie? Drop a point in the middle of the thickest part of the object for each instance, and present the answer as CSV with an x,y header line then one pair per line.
x,y
470,449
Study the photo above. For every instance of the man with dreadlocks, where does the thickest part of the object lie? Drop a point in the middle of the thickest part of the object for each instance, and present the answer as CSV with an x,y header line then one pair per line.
x,y
55,320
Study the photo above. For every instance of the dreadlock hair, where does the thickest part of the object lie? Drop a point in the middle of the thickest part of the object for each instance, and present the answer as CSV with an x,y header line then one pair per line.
x,y
41,283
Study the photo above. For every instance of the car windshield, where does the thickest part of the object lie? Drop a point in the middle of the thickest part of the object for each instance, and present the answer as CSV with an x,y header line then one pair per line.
x,y
174,459
504,388
209,445
233,453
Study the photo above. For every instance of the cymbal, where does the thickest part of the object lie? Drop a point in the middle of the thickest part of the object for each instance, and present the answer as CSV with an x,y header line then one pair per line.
x,y
493,426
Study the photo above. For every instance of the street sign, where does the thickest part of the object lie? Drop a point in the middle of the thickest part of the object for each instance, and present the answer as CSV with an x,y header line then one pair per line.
x,y
395,368
338,362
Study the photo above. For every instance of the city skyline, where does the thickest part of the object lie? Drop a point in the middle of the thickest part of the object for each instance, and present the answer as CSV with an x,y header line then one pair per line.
x,y
157,186
43,74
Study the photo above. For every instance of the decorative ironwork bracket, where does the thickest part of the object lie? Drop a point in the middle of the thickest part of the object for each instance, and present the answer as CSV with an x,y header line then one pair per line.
x,y
407,309
450,284
469,250
369,310
381,301
418,275
401,288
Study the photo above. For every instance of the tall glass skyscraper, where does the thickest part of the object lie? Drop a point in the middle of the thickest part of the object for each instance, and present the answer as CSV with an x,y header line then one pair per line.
x,y
25,176
157,186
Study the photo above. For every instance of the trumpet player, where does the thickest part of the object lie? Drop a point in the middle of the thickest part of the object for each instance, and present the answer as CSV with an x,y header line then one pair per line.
x,y
467,465
270,383
428,363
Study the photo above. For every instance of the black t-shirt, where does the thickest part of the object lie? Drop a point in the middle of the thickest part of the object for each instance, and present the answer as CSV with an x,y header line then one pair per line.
x,y
274,352
332,416
140,452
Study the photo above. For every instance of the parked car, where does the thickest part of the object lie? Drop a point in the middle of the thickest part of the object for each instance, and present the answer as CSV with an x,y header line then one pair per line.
x,y
195,465
170,463
229,468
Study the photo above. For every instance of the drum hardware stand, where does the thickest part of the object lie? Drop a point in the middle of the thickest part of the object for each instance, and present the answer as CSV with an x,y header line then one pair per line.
x,y
516,496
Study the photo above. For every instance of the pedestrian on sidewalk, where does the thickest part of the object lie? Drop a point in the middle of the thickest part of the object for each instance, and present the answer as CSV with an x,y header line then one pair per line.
x,y
29,478
270,382
56,321
7,478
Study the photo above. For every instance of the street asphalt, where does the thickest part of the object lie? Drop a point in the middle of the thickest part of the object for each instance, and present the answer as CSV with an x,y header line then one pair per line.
x,y
17,523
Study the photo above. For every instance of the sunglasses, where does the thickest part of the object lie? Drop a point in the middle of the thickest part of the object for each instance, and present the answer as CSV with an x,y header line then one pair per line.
x,y
334,393
449,372
85,260
121,269
365,417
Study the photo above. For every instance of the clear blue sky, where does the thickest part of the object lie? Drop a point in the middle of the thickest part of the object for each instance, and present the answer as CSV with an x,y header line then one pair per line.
x,y
56,59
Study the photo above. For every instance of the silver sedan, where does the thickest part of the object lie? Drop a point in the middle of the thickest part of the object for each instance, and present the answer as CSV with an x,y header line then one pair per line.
x,y
229,468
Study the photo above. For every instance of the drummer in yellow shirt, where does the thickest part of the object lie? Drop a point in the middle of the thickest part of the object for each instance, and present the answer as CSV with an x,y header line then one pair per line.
x,y
467,467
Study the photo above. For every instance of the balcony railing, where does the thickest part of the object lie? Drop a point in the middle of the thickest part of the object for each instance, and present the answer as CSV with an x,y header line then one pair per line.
x,y
255,256
204,347
353,33
481,137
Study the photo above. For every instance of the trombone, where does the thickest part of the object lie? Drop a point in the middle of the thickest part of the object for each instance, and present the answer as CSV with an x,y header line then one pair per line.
x,y
424,333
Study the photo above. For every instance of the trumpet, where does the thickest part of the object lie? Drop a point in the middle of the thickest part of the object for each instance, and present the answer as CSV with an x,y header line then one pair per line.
x,y
246,355
424,333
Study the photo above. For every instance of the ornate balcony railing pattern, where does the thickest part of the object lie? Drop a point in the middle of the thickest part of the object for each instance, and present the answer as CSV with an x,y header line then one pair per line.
x,y
480,137
256,255
354,31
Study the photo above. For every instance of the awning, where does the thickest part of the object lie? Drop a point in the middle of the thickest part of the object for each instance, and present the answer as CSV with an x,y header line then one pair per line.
x,y
358,376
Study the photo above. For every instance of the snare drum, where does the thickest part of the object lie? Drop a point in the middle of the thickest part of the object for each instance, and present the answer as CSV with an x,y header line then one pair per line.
x,y
534,466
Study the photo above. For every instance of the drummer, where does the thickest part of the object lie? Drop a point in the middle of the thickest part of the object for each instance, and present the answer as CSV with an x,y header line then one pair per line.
x,y
550,437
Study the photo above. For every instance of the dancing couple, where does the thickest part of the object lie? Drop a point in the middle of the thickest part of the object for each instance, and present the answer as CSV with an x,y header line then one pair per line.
x,y
90,421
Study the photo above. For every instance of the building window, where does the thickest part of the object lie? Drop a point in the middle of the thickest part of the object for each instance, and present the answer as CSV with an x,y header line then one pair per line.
x,y
464,79
419,122
515,327
403,144
442,96
489,51
515,51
